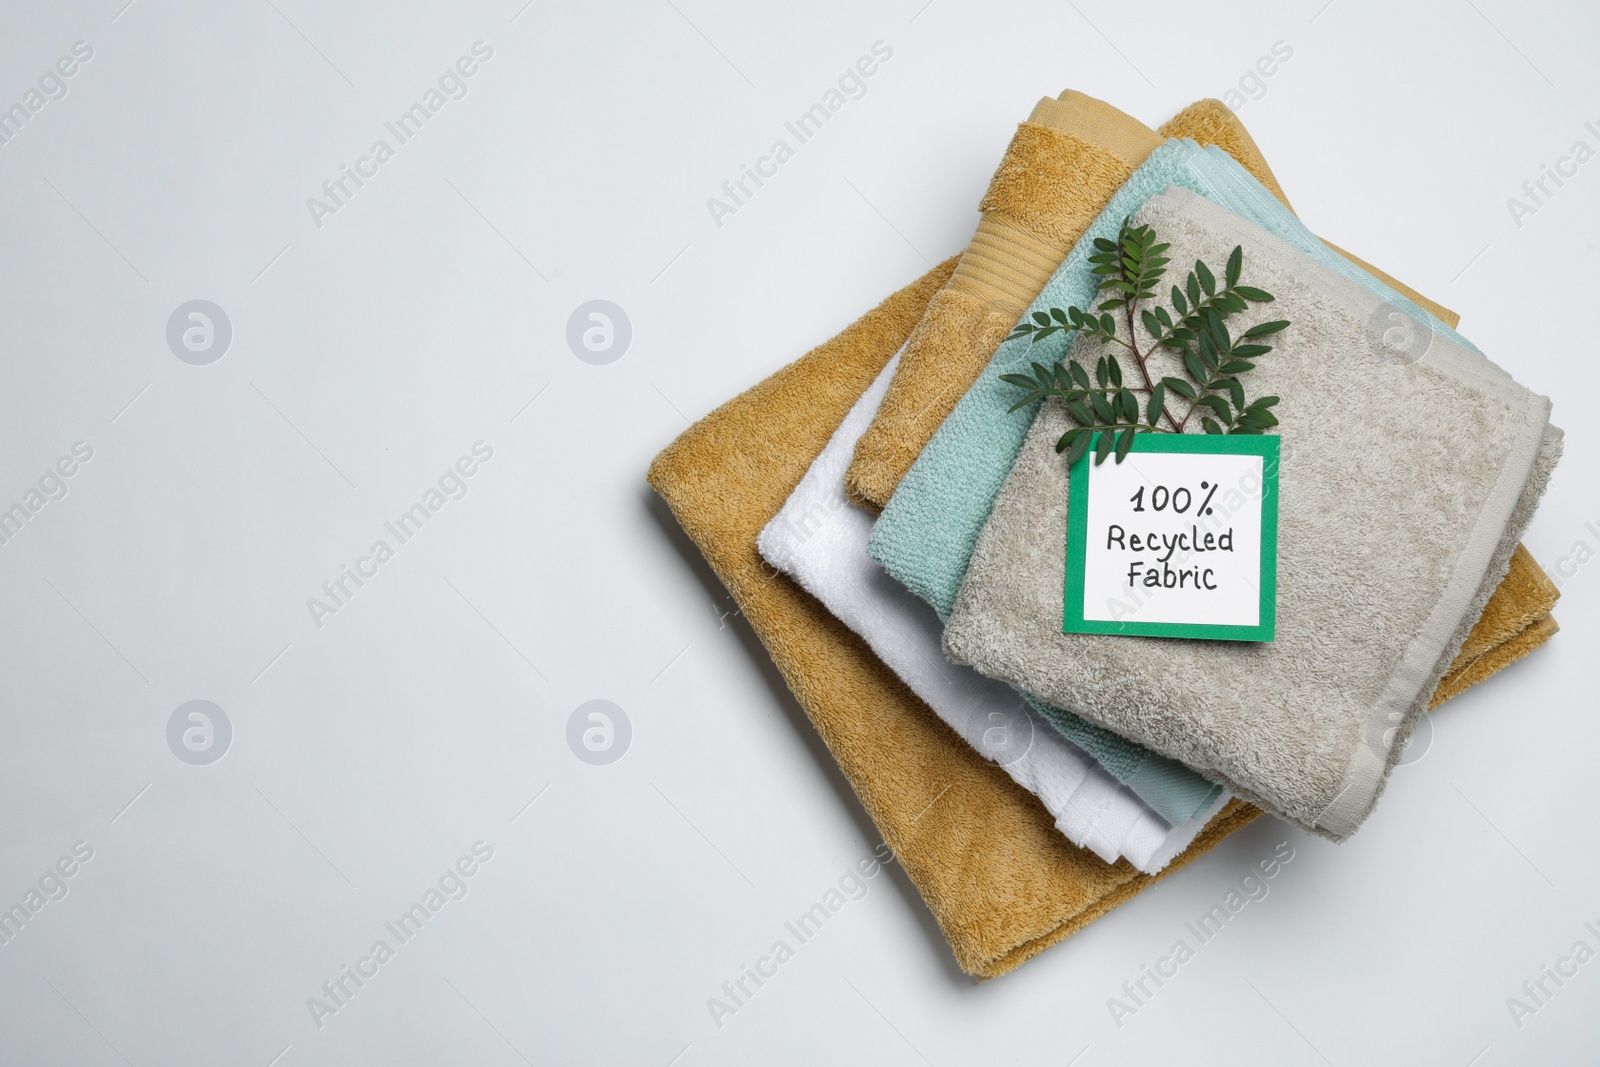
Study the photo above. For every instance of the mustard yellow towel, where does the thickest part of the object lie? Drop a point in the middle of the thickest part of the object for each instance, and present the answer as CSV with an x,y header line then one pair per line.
x,y
1515,622
1001,881
1060,169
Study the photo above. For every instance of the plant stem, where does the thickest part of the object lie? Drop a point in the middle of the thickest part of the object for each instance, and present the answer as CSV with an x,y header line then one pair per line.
x,y
1142,359
1204,390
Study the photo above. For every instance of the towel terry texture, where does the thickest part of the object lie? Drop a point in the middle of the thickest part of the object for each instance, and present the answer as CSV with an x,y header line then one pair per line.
x,y
926,535
821,541
1516,621
1402,491
1000,879
1063,164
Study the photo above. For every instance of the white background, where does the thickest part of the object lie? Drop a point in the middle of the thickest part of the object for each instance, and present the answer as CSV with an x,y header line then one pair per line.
x,y
369,754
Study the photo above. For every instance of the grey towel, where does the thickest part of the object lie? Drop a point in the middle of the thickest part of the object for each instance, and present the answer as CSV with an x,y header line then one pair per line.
x,y
1403,488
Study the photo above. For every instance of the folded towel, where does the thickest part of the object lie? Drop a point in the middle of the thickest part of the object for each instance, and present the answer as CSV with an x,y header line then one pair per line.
x,y
1469,670
1515,622
926,535
1061,167
999,878
1402,491
821,541
1517,618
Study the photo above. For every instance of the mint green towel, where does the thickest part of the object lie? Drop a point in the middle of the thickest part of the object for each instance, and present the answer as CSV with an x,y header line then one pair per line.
x,y
926,535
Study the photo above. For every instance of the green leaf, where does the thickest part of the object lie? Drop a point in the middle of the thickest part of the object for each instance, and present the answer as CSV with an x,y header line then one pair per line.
x,y
1124,442
1130,405
1109,325
1019,405
1079,447
1151,323
1211,427
1264,402
1158,397
1191,363
1236,366
1102,447
1104,245
1193,288
1067,439
1179,302
1266,327
1102,372
1059,315
1116,371
1102,408
1260,419
1017,379
1251,351
1235,391
1235,262
1079,412
1208,349
1164,318
1041,373
1208,281
1080,376
1255,296
1217,404
1179,386
1041,318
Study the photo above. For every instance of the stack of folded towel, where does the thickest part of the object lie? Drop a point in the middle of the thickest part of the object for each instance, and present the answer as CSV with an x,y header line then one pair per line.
x,y
1030,780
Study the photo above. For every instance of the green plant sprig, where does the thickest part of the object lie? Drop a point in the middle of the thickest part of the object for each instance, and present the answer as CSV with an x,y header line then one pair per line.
x,y
1129,269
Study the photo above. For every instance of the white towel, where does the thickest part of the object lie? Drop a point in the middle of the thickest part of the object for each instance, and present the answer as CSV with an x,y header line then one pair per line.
x,y
820,540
